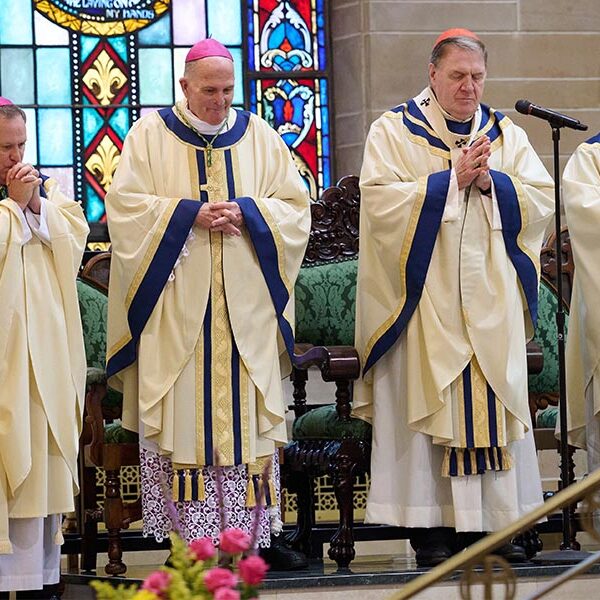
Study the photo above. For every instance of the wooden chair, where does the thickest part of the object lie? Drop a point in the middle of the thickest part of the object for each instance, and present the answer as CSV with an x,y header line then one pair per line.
x,y
326,440
104,444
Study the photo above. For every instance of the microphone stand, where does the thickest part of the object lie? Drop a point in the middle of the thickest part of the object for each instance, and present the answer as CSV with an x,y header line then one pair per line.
x,y
569,552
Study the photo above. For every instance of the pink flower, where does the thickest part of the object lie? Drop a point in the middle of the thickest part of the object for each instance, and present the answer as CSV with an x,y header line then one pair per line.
x,y
218,578
157,582
233,541
253,570
202,548
226,594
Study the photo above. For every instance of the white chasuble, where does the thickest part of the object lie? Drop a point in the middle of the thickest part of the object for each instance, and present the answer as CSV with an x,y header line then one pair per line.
x,y
446,300
581,191
42,358
199,344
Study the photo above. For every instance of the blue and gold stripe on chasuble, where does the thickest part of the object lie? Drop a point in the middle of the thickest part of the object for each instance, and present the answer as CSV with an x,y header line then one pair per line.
x,y
481,428
421,233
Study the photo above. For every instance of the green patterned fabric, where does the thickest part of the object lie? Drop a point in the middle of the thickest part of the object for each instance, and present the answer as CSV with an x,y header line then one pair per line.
x,y
325,304
545,336
547,417
115,434
93,305
323,424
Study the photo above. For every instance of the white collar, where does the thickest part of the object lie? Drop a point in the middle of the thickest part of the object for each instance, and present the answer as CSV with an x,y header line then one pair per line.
x,y
206,128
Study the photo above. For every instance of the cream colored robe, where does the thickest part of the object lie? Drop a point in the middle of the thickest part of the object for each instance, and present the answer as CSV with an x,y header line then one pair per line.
x,y
581,192
441,279
155,325
42,360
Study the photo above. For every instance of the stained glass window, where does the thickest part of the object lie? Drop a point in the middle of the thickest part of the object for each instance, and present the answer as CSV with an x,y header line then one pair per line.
x,y
84,74
288,80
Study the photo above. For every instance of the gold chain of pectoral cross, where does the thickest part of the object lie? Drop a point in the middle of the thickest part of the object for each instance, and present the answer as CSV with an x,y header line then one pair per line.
x,y
209,143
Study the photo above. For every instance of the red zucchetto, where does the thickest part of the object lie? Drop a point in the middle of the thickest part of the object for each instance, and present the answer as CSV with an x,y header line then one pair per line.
x,y
206,48
5,101
456,32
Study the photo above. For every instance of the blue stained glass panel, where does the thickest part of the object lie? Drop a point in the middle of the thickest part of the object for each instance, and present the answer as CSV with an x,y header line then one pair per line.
x,y
325,132
120,46
54,76
253,100
238,92
250,38
225,21
31,145
16,75
189,24
120,121
92,122
157,34
321,53
86,45
94,206
55,136
156,76
15,22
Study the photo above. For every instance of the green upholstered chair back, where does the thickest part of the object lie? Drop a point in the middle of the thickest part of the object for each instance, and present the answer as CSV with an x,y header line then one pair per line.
x,y
93,307
325,303
325,309
545,336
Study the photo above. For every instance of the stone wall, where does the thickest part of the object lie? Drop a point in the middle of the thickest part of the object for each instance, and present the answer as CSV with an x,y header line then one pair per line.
x,y
547,51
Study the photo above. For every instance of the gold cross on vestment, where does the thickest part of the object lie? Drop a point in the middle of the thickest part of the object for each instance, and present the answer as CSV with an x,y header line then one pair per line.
x,y
216,193
208,187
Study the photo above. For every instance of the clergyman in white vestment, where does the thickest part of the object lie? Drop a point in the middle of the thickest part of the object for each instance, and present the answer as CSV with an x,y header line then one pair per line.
x,y
209,219
42,364
581,193
454,204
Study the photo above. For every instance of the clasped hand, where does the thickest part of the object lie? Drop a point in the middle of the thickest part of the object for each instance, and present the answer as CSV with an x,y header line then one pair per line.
x,y
221,216
472,166
23,182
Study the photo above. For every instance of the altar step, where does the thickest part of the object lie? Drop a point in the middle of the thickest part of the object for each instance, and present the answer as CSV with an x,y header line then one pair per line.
x,y
371,578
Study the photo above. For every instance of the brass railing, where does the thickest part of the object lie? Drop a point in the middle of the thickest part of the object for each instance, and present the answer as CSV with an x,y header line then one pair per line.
x,y
483,568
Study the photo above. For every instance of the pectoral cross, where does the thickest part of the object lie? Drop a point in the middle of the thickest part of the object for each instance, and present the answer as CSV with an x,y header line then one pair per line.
x,y
208,187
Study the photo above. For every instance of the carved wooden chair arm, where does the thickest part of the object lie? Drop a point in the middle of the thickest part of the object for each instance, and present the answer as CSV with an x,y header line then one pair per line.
x,y
339,364
334,362
535,358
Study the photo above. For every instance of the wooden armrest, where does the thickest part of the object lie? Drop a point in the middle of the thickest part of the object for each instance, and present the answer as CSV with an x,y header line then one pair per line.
x,y
93,428
535,358
310,406
334,362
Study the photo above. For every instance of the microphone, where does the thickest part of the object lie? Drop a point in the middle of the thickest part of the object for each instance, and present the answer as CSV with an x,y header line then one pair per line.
x,y
554,118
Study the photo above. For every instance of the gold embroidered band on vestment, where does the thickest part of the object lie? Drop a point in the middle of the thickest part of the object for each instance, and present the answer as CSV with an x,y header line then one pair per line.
x,y
481,444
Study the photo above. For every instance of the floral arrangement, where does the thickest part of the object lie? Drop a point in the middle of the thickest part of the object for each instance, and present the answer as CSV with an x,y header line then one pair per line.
x,y
200,571
195,572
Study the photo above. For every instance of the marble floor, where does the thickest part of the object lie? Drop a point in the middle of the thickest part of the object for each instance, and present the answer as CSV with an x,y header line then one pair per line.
x,y
372,576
